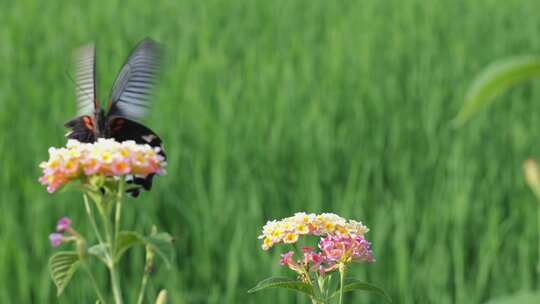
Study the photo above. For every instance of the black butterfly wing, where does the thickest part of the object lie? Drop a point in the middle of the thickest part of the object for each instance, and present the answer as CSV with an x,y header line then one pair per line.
x,y
82,128
132,90
85,79
122,129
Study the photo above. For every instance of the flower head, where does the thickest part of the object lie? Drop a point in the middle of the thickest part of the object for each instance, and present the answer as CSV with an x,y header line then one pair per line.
x,y
341,242
289,229
106,157
346,249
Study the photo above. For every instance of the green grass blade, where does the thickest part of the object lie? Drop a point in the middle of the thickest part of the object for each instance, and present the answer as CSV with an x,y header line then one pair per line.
x,y
519,298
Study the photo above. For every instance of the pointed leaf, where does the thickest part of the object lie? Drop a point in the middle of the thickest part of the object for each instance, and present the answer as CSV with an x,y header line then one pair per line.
x,y
494,81
99,251
126,240
354,284
160,242
162,245
62,266
281,282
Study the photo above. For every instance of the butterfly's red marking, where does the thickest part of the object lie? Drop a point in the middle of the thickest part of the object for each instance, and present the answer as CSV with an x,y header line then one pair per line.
x,y
118,124
97,103
88,123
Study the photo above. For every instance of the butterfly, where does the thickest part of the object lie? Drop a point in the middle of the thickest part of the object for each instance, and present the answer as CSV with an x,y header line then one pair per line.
x,y
129,101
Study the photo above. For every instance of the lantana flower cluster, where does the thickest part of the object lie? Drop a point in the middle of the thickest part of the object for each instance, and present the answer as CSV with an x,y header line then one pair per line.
x,y
341,241
289,229
105,157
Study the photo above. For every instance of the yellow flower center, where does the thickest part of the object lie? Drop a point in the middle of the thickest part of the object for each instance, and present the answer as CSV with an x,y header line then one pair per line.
x,y
329,227
124,152
106,157
290,238
267,243
69,165
53,164
277,234
302,229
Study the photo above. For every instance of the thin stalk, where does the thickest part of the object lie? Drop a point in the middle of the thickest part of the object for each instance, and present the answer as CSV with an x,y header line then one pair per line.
x,y
538,266
305,272
143,287
341,281
92,220
536,190
94,283
115,283
148,266
118,212
320,282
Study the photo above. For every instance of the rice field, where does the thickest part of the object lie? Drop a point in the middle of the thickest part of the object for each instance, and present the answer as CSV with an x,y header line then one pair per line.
x,y
267,108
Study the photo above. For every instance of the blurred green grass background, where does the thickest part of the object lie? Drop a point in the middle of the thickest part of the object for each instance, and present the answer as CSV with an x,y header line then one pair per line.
x,y
271,107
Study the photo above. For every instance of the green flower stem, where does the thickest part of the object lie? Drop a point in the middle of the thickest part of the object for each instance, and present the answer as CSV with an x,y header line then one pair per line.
x,y
341,281
92,220
320,282
535,187
143,287
115,283
94,282
118,212
305,272
538,266
148,267
101,242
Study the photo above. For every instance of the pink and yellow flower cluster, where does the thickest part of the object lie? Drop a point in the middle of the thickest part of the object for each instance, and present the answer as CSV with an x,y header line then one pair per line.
x,y
341,242
105,157
289,229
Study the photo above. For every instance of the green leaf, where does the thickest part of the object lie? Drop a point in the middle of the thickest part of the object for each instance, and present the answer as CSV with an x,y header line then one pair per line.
x,y
62,266
281,282
495,80
162,245
518,298
126,240
160,242
99,251
354,284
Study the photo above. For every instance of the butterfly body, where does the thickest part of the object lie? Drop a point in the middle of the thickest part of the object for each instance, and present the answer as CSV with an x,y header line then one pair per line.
x,y
129,100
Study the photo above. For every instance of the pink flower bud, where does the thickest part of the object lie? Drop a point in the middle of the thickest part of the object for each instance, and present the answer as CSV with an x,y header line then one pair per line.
x,y
56,239
317,259
286,258
63,224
